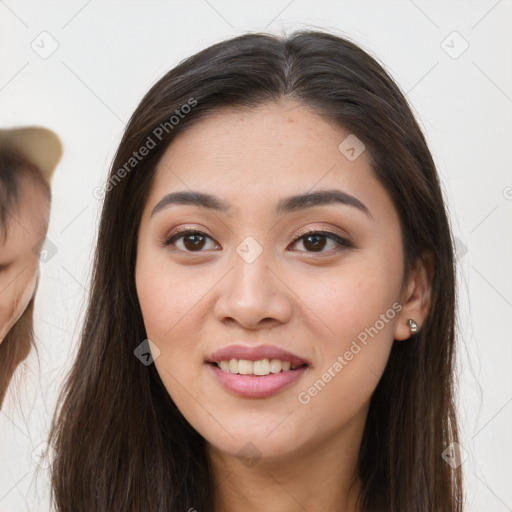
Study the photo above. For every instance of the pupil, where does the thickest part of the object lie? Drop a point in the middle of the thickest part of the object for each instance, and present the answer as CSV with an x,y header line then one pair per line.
x,y
196,244
316,244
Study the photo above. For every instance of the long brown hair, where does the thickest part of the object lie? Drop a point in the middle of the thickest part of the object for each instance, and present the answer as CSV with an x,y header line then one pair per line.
x,y
20,339
121,443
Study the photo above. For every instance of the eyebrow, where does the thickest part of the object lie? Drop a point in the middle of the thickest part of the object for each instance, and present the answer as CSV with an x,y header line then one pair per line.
x,y
284,206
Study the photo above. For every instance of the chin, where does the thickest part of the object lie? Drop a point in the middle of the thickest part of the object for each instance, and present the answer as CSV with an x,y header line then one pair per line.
x,y
254,446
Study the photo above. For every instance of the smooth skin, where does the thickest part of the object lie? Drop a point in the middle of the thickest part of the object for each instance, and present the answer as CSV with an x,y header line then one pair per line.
x,y
312,300
19,252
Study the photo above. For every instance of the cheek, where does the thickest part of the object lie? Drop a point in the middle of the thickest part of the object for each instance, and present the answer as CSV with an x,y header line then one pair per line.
x,y
27,291
155,302
170,302
352,299
358,309
169,298
15,298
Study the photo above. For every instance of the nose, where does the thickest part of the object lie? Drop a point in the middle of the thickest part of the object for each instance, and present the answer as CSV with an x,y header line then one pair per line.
x,y
253,295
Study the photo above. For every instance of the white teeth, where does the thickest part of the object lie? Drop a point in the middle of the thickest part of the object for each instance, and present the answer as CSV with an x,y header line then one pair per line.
x,y
245,367
233,365
224,365
275,366
260,367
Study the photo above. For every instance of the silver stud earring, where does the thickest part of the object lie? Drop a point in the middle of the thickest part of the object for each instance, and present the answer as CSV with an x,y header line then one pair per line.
x,y
413,326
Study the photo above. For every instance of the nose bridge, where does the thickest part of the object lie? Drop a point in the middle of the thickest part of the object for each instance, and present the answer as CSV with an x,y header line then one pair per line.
x,y
251,263
253,293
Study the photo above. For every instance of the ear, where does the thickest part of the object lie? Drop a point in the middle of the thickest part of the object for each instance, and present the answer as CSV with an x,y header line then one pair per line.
x,y
416,298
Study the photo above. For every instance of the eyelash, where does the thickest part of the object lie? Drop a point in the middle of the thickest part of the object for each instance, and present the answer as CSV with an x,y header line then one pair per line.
x,y
342,242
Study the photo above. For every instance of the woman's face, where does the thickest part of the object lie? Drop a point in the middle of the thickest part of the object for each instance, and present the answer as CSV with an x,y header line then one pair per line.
x,y
19,253
250,277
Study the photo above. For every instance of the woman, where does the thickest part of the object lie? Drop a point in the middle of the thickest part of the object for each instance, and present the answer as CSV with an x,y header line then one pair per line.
x,y
28,157
274,240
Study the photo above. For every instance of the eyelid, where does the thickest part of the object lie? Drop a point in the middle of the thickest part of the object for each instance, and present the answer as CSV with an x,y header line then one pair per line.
x,y
167,239
341,241
324,229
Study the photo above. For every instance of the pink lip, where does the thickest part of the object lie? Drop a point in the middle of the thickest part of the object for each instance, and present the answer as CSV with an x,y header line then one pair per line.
x,y
255,353
252,386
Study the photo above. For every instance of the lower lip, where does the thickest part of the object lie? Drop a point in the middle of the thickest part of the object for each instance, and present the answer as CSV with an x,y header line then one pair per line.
x,y
252,386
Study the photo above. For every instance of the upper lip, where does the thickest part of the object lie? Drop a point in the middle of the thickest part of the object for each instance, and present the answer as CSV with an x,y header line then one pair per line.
x,y
255,353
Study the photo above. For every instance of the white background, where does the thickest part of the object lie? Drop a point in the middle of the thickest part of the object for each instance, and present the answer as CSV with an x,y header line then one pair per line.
x,y
110,53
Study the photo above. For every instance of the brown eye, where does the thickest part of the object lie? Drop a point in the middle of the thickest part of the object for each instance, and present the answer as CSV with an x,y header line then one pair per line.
x,y
313,241
316,241
193,240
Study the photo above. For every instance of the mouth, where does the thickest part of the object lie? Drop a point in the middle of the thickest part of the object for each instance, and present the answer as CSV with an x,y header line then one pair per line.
x,y
256,371
258,368
258,379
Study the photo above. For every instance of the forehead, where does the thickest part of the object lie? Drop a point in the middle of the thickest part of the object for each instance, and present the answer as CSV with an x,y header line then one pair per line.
x,y
256,156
